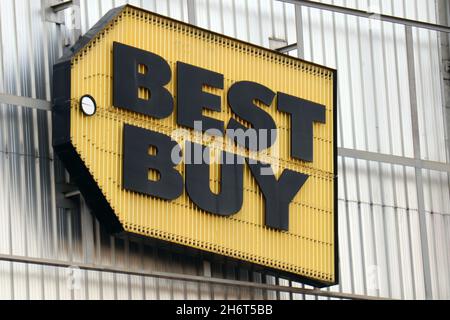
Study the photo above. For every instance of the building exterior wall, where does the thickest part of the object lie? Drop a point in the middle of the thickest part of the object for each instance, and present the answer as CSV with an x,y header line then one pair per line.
x,y
380,238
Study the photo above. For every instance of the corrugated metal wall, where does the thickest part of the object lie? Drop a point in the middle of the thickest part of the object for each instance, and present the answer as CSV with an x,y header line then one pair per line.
x,y
380,238
380,250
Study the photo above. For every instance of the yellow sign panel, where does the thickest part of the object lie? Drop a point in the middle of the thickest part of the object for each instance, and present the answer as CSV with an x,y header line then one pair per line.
x,y
101,126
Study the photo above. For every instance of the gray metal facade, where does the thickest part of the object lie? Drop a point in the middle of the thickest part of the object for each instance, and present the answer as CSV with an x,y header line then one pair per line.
x,y
394,198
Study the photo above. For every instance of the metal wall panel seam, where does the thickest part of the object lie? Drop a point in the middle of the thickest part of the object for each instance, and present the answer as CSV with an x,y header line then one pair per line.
x,y
377,137
181,277
272,20
234,18
424,149
260,21
84,245
443,14
390,206
391,151
52,207
344,175
284,22
299,27
142,262
99,257
33,156
312,57
392,159
21,147
46,67
443,5
366,147
436,101
403,169
442,263
340,128
379,169
365,14
420,190
341,141
353,143
38,192
247,20
127,265
440,145
402,146
447,227
2,88
208,15
25,102
424,143
191,13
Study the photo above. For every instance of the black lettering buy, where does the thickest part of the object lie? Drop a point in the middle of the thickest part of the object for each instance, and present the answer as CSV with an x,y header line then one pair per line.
x,y
230,197
278,194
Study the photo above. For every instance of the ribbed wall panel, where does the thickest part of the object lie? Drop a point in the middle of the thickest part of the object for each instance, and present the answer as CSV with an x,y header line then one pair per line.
x,y
374,115
377,203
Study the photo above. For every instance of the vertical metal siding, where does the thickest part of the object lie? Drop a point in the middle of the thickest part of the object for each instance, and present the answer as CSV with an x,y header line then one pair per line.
x,y
378,212
25,155
379,232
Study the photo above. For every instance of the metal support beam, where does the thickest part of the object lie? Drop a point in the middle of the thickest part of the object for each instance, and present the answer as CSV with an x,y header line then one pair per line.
x,y
74,22
67,13
443,12
299,30
287,48
58,6
361,14
417,155
65,194
25,102
278,44
192,14
369,15
183,277
53,12
396,160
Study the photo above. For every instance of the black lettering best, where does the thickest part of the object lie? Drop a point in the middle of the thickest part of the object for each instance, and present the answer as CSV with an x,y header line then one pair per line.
x,y
241,98
128,80
191,99
303,115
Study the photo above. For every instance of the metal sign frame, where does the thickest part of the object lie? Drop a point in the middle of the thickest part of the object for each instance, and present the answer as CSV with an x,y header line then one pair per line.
x,y
91,191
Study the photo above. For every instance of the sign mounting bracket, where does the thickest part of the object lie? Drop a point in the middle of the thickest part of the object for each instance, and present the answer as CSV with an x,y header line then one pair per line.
x,y
65,13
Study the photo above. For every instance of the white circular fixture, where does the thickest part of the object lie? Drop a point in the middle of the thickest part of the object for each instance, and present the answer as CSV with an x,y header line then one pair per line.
x,y
88,105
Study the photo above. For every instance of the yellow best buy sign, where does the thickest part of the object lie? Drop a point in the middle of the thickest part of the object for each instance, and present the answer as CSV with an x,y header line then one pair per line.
x,y
180,134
